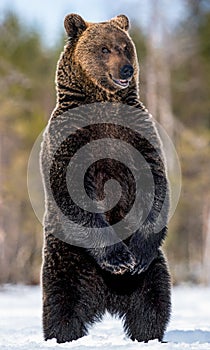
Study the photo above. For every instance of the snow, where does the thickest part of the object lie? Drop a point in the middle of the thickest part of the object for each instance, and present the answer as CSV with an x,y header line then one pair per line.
x,y
20,324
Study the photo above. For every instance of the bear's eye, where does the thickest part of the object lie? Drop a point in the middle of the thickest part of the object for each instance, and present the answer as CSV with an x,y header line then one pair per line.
x,y
105,50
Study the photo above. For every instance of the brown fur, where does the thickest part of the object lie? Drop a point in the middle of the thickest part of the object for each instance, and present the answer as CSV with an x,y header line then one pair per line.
x,y
129,278
83,71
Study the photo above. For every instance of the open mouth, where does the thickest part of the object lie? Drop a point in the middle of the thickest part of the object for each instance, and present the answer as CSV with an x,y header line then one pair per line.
x,y
121,82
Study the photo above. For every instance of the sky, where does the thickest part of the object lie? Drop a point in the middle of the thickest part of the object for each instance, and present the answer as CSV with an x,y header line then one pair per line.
x,y
47,15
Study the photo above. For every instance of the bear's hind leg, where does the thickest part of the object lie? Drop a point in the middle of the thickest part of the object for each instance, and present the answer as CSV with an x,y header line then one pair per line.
x,y
72,297
149,306
61,320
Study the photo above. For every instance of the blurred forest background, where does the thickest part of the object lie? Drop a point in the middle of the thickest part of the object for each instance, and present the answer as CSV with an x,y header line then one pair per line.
x,y
174,85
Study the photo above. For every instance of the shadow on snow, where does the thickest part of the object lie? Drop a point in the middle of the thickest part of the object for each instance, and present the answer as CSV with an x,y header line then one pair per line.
x,y
189,337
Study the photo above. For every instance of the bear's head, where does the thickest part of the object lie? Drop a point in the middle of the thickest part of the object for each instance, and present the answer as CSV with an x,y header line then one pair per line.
x,y
104,51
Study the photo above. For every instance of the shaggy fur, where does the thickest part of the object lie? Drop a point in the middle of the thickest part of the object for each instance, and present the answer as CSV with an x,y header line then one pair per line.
x,y
130,278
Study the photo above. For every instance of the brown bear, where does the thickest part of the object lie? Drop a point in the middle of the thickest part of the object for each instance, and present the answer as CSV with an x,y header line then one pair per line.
x,y
128,275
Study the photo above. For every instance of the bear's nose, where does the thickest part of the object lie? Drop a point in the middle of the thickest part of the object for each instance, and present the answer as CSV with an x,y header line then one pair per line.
x,y
126,72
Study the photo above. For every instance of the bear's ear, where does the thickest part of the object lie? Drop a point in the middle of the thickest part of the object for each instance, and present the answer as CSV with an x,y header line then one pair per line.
x,y
121,21
74,25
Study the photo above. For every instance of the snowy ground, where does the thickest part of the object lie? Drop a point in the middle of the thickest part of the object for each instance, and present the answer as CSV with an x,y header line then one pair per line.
x,y
20,324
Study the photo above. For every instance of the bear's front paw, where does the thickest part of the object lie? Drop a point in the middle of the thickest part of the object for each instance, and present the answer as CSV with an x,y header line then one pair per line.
x,y
118,259
143,263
